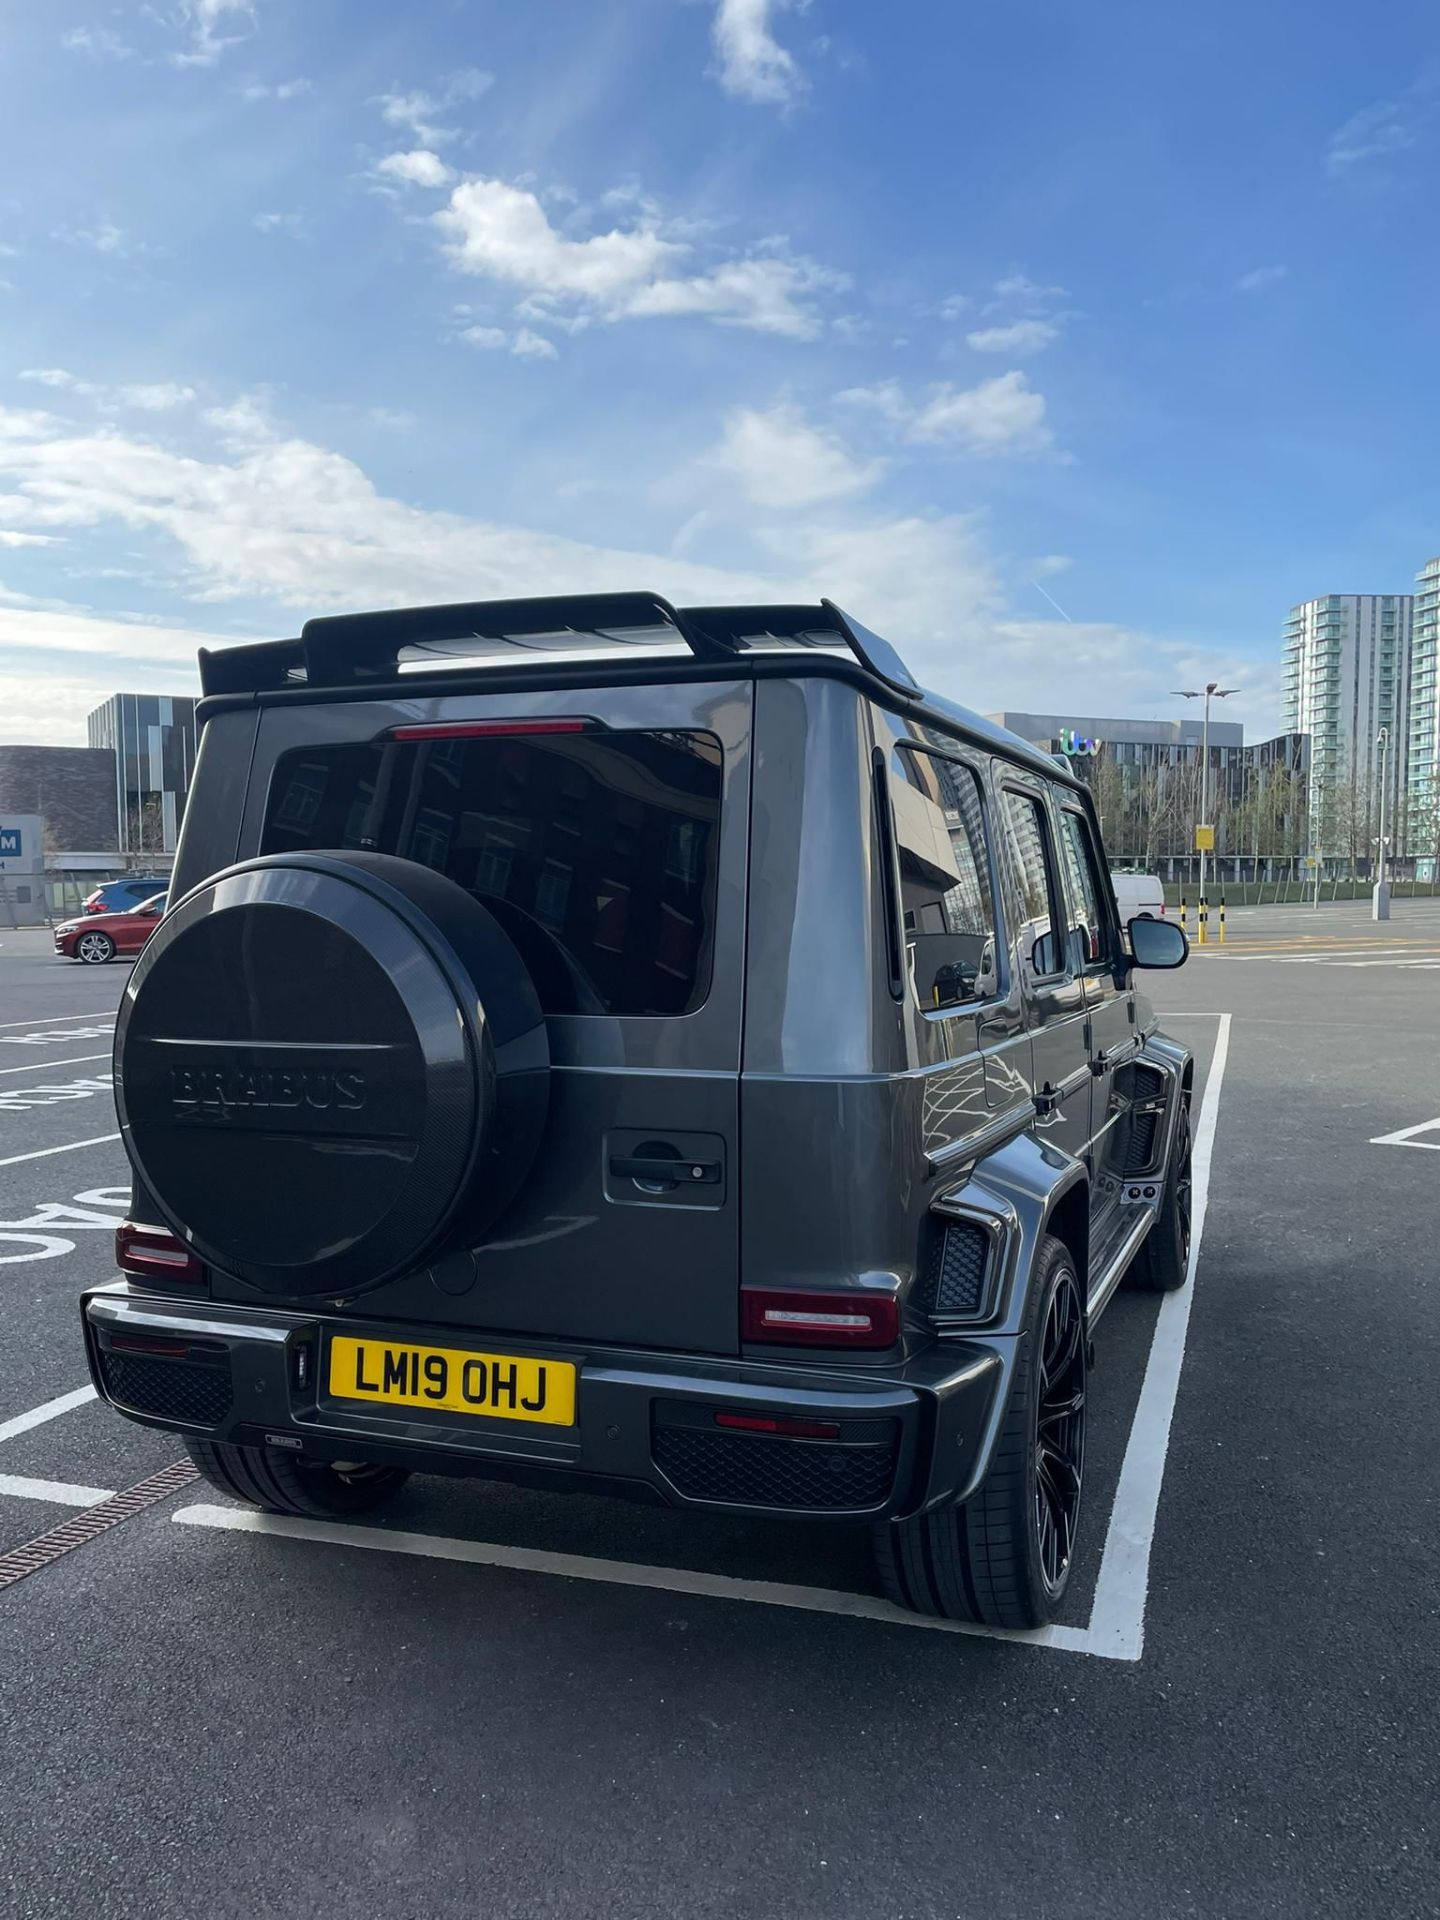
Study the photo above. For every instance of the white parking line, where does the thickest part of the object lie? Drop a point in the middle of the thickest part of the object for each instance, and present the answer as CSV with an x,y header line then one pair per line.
x,y
61,1493
50,1410
39,1066
619,1573
1116,1629
54,1019
1117,1618
42,1153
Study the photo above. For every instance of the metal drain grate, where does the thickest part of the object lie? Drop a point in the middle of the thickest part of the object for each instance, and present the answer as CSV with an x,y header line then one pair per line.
x,y
21,1562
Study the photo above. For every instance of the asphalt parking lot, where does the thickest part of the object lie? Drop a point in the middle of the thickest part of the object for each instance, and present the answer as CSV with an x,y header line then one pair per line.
x,y
505,1703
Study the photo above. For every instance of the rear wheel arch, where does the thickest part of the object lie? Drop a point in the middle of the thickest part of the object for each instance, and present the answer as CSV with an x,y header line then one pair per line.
x,y
1068,1218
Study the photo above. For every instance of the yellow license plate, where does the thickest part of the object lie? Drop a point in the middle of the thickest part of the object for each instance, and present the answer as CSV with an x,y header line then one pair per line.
x,y
501,1386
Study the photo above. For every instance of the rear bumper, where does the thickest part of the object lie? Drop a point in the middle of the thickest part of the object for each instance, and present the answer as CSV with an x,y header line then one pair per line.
x,y
908,1438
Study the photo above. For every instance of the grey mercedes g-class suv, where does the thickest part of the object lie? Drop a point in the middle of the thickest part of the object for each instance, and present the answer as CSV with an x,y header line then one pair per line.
x,y
641,1051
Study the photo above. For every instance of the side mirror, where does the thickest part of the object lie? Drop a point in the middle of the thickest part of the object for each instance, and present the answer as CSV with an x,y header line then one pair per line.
x,y
1157,943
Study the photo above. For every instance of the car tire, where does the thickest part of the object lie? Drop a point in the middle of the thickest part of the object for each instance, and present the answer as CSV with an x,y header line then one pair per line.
x,y
94,948
1003,1558
282,1482
1163,1264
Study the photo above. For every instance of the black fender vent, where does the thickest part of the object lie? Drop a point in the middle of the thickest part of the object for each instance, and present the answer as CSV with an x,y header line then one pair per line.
x,y
1147,1083
754,1470
196,1393
954,1277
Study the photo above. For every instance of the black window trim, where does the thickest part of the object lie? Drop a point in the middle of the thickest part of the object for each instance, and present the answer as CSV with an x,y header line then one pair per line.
x,y
1054,885
1072,804
889,876
997,905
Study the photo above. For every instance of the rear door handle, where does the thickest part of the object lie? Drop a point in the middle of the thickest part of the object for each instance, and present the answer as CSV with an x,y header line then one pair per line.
x,y
674,1173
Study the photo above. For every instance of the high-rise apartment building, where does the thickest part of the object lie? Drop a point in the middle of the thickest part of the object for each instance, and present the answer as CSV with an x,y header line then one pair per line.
x,y
1423,769
1346,674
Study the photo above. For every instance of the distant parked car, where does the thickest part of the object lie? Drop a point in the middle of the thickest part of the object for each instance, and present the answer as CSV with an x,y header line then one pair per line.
x,y
99,937
1139,896
123,896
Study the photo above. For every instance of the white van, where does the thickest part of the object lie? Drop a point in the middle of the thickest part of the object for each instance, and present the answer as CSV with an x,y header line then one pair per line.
x,y
1139,896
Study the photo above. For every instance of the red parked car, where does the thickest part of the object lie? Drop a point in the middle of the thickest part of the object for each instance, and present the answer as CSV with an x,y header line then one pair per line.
x,y
101,936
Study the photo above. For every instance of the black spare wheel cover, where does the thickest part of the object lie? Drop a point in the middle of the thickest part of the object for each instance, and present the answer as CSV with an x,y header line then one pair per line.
x,y
329,1067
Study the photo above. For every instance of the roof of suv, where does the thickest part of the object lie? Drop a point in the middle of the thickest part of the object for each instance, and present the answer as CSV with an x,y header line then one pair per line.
x,y
550,637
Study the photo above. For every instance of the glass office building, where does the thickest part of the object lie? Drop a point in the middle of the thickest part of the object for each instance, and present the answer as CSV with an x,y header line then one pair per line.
x,y
153,739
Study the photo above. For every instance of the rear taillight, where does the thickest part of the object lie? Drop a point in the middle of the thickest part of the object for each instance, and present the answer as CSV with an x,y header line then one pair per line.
x,y
819,1319
484,729
149,1253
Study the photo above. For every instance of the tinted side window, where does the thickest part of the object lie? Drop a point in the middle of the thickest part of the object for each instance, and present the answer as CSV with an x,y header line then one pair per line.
x,y
947,906
1027,838
595,851
1089,931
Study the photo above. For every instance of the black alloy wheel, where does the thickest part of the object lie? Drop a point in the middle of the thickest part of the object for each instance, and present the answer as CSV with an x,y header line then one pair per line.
x,y
1060,1433
1005,1556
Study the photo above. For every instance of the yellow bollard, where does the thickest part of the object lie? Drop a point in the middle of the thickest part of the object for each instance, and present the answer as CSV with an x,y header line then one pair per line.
x,y
1202,914
1183,928
1222,919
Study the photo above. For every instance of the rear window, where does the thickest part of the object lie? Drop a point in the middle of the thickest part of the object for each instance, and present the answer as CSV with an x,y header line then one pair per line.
x,y
595,851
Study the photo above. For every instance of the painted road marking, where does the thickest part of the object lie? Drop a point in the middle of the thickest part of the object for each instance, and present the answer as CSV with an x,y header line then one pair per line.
x,y
51,1093
69,1146
50,1410
95,1031
53,1019
1117,1618
60,1493
1405,1137
1116,1629
619,1573
39,1066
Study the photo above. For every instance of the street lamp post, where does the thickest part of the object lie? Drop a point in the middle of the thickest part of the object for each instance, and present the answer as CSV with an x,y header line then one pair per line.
x,y
1211,691
1380,895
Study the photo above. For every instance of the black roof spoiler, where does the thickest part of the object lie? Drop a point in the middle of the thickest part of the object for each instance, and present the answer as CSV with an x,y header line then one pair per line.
x,y
351,649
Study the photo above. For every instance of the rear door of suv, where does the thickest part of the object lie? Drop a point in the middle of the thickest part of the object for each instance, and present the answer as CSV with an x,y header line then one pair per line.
x,y
614,852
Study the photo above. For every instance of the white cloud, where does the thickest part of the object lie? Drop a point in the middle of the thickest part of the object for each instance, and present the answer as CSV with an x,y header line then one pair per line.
x,y
291,224
753,64
55,377
282,90
1259,278
208,23
1026,292
1020,336
1381,132
417,169
525,344
639,271
9,539
265,516
160,396
533,346
1003,415
1000,416
99,42
781,461
1051,563
105,237
488,339
145,397
416,111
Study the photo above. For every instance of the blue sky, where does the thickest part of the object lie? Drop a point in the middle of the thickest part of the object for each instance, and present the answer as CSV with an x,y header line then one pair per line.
x,y
937,308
